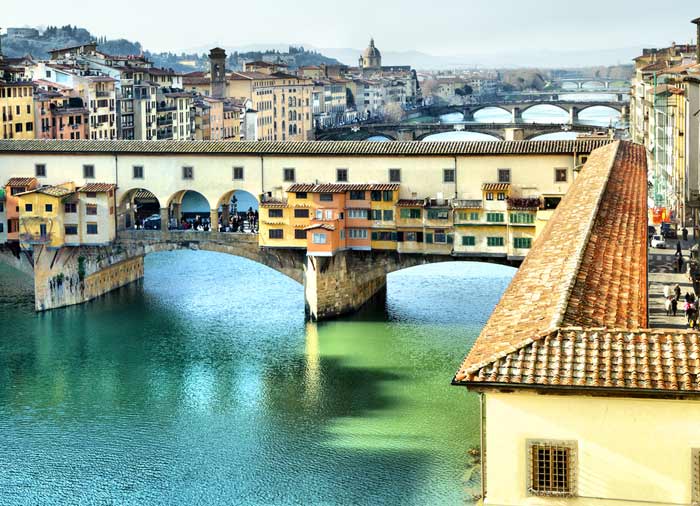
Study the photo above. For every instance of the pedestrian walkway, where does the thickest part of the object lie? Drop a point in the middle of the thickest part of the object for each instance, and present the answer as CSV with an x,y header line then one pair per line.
x,y
663,271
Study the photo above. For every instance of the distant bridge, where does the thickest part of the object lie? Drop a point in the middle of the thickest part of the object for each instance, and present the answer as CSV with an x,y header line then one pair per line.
x,y
517,108
419,131
580,82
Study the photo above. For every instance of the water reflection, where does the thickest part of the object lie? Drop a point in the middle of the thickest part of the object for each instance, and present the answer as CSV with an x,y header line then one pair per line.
x,y
184,389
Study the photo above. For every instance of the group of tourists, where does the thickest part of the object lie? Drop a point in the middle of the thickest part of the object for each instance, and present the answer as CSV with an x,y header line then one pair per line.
x,y
240,222
689,304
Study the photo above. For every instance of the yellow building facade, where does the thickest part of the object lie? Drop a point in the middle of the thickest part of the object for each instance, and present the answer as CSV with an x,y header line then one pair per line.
x,y
17,109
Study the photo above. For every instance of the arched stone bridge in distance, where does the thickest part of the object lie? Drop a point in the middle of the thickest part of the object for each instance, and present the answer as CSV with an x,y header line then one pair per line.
x,y
419,131
333,286
517,108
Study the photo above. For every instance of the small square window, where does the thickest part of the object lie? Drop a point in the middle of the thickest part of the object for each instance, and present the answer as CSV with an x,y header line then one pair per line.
x,y
301,213
91,210
301,195
188,173
552,468
289,175
28,208
394,175
326,197
88,171
138,172
560,175
238,173
489,196
48,208
276,233
448,176
300,234
92,228
91,195
275,213
40,170
341,175
504,175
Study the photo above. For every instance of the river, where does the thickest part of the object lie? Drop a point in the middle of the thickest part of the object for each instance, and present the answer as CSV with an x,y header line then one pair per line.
x,y
203,384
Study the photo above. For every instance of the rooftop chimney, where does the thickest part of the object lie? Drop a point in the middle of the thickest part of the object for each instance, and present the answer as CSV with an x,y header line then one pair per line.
x,y
697,40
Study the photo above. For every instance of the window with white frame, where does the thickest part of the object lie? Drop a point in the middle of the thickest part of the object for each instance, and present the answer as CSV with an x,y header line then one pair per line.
x,y
319,238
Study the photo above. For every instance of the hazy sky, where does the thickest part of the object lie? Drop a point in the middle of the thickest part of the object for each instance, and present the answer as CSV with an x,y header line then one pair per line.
x,y
447,27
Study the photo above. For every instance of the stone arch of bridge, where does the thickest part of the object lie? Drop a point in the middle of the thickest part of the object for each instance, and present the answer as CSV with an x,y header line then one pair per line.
x,y
527,107
585,106
490,133
397,262
600,84
474,110
288,262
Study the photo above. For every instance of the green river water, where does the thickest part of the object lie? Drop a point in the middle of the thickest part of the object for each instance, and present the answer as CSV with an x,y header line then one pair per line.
x,y
203,384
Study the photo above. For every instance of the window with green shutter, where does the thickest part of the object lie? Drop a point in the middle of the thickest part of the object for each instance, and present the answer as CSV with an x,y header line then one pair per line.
x,y
429,238
495,217
494,241
474,216
410,214
522,243
522,218
388,215
438,214
468,240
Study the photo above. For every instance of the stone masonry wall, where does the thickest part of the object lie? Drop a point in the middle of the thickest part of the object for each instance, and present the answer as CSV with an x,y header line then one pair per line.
x,y
342,284
73,275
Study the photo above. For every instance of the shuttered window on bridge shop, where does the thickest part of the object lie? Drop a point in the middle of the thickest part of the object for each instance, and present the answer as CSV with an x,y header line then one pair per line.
x,y
275,213
504,175
276,233
448,175
188,173
237,173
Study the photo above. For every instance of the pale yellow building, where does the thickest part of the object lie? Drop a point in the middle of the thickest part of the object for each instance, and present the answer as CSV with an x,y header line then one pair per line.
x,y
17,109
581,403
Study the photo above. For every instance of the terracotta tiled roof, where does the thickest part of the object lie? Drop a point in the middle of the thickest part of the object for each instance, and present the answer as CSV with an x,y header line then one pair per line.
x,y
340,187
144,194
586,268
53,191
662,361
495,187
324,226
97,188
20,181
611,284
311,148
411,203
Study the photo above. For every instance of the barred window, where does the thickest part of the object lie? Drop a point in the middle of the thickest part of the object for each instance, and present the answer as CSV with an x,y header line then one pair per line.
x,y
552,468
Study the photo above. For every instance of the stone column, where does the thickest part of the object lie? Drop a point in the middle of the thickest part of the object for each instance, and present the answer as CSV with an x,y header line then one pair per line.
x,y
214,220
468,115
225,213
164,220
342,284
514,134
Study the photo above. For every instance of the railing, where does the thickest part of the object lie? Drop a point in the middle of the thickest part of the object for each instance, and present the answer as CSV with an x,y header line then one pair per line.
x,y
186,236
102,94
35,238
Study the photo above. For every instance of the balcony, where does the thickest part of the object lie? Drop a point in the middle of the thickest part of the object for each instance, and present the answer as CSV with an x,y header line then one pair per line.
x,y
102,94
525,204
35,238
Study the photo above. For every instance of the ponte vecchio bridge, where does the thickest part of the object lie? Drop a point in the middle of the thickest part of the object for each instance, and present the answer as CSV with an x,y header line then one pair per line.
x,y
475,201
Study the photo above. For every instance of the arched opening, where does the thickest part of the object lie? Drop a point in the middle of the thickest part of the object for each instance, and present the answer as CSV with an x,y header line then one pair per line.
x,y
493,115
460,136
545,113
593,85
600,115
138,209
568,85
189,210
452,117
379,138
238,212
557,136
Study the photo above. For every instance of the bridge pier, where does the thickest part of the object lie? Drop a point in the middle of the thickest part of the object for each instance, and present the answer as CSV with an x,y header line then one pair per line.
x,y
517,115
342,284
573,114
73,275
468,115
514,134
164,219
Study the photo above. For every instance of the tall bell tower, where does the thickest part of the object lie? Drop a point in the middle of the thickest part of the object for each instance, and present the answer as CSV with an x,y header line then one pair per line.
x,y
217,72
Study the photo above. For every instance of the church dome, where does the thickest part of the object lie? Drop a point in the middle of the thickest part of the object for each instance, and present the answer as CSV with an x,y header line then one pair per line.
x,y
371,51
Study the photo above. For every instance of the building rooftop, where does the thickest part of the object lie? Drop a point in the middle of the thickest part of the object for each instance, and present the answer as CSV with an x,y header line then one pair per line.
x,y
20,181
97,188
340,187
586,270
302,148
